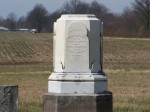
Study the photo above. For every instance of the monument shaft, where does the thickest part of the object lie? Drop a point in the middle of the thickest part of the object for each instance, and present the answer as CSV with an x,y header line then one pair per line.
x,y
77,44
78,56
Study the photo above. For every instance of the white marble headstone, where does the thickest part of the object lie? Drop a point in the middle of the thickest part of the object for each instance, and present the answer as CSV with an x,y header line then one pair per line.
x,y
77,55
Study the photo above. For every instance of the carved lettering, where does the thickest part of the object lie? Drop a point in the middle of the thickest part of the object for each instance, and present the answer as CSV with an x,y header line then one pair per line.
x,y
77,48
77,42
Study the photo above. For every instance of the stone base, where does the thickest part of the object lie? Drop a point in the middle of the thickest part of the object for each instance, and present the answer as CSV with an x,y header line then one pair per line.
x,y
8,98
80,83
78,102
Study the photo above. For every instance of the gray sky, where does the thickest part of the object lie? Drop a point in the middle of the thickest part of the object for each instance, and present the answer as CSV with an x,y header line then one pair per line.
x,y
21,7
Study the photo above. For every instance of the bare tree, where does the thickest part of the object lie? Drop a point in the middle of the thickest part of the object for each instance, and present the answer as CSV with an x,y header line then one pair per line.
x,y
11,21
1,20
130,22
80,7
37,18
21,23
98,9
52,18
142,9
83,8
70,7
75,7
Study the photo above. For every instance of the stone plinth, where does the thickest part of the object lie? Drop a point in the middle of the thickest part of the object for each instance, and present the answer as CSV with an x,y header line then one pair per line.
x,y
78,102
8,98
80,83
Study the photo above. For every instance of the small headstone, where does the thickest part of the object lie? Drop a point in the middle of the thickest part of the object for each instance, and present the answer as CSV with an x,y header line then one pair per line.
x,y
8,98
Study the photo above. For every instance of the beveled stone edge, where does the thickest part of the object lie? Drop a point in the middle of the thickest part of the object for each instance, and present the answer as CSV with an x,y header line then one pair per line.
x,y
77,77
78,17
75,94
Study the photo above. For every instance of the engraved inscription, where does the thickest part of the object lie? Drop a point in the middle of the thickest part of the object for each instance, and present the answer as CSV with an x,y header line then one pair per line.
x,y
77,41
76,45
77,48
7,102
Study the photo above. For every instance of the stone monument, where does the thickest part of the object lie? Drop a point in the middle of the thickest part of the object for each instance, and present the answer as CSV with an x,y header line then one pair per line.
x,y
8,98
78,83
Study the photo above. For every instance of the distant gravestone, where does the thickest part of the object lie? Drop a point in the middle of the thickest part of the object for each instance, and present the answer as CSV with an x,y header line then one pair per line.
x,y
8,98
78,81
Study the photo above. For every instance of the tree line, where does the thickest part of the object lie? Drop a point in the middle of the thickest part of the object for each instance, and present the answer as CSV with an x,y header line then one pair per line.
x,y
132,22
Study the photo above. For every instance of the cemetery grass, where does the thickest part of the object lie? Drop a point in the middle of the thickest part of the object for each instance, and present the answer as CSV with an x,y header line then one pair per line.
x,y
26,60
127,63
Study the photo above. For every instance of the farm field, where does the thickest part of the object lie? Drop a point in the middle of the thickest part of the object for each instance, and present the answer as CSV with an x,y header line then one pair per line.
x,y
26,60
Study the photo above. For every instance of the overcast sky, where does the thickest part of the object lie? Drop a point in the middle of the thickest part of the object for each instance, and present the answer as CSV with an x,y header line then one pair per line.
x,y
21,7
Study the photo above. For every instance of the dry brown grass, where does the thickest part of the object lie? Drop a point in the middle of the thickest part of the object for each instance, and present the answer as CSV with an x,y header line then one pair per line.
x,y
23,48
129,54
130,89
127,63
26,60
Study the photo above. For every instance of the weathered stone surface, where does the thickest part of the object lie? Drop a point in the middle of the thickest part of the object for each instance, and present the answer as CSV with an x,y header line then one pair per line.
x,y
77,44
77,49
78,102
78,55
8,98
80,83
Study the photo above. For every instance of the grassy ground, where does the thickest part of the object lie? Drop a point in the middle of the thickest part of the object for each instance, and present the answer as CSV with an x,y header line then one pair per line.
x,y
26,60
24,48
129,54
127,63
